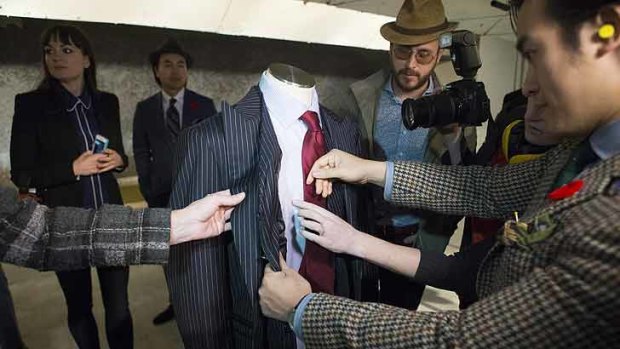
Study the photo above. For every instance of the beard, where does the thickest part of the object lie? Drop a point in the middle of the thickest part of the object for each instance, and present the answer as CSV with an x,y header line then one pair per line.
x,y
403,74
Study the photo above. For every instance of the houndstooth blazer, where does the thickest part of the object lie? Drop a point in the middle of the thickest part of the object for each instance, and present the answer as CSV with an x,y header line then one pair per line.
x,y
561,291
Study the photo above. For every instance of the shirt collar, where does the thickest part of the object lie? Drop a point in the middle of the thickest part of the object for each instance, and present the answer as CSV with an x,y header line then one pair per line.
x,y
605,140
283,108
429,91
71,101
179,96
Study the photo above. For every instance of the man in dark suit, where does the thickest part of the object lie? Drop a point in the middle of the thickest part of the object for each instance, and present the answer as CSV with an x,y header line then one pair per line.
x,y
157,123
214,283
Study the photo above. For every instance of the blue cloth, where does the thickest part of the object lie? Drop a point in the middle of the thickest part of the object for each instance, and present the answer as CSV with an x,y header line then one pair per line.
x,y
81,111
393,142
605,142
299,313
389,180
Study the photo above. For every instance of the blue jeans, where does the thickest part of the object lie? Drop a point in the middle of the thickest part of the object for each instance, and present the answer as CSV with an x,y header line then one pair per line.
x,y
9,333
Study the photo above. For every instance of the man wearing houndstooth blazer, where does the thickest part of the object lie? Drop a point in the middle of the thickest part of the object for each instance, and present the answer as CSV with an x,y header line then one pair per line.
x,y
551,278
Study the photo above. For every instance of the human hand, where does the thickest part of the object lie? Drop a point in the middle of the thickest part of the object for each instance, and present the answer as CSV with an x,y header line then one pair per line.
x,y
281,291
110,161
331,232
87,163
204,218
346,167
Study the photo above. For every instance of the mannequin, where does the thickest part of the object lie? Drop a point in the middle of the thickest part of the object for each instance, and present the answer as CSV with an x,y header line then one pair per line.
x,y
293,81
291,75
253,146
288,92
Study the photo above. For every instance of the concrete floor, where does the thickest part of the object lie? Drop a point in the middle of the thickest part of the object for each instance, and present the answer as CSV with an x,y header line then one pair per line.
x,y
41,311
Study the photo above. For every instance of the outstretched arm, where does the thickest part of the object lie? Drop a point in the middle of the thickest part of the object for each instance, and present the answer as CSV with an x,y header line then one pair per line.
x,y
66,238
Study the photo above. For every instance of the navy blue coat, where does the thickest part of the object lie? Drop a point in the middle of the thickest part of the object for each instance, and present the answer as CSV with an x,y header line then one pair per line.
x,y
44,145
153,146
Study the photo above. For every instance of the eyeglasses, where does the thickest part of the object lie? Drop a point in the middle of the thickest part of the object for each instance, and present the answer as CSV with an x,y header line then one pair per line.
x,y
422,55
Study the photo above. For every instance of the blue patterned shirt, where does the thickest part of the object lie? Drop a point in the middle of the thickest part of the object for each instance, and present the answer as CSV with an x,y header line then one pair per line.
x,y
393,142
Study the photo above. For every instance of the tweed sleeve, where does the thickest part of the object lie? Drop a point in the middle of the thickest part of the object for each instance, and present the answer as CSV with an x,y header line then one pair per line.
x,y
536,313
573,302
64,238
491,192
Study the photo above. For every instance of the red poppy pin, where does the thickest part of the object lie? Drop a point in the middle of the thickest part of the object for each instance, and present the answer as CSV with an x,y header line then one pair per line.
x,y
566,191
193,105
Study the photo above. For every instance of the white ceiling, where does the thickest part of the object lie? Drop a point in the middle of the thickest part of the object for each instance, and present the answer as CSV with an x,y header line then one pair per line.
x,y
475,15
352,23
274,19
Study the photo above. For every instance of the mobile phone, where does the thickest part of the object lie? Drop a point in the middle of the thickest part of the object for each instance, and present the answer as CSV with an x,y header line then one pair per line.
x,y
100,144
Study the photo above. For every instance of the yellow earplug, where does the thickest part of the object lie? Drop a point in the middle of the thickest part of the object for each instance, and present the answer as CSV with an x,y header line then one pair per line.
x,y
606,31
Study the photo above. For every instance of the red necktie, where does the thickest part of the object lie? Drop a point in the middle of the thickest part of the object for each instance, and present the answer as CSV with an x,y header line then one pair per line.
x,y
317,264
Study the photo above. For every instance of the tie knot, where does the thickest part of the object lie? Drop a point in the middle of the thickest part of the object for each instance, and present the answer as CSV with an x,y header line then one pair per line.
x,y
172,101
311,119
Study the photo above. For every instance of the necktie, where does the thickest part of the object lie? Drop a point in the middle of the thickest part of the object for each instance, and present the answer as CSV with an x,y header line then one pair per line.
x,y
583,156
317,264
172,119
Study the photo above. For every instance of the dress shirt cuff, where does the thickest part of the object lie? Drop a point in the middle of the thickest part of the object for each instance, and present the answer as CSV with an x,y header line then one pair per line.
x,y
389,181
299,314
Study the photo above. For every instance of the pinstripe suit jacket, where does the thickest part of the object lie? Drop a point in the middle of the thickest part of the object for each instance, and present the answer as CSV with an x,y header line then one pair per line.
x,y
214,283
562,291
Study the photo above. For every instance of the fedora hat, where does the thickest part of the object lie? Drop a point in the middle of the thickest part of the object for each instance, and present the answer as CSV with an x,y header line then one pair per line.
x,y
170,46
418,22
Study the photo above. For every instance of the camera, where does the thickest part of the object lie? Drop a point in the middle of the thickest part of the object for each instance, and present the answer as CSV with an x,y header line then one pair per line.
x,y
464,102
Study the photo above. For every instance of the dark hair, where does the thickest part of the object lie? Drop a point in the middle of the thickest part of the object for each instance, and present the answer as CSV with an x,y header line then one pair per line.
x,y
69,35
170,46
570,15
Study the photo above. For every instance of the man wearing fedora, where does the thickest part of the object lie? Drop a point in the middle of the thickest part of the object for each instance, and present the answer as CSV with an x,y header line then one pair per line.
x,y
158,120
414,53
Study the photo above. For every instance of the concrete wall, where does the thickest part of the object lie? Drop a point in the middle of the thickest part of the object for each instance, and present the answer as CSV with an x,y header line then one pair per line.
x,y
225,66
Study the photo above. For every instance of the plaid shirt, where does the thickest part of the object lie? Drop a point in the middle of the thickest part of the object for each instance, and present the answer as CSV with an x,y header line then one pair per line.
x,y
561,291
67,238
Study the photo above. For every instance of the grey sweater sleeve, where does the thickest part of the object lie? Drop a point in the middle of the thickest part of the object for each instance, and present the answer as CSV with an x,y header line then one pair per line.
x,y
66,238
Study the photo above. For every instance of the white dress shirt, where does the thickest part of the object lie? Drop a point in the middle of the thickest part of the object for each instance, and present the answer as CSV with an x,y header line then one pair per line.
x,y
285,112
178,104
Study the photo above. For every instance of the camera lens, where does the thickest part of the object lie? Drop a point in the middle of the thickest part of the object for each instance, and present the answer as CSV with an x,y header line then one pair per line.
x,y
416,112
430,111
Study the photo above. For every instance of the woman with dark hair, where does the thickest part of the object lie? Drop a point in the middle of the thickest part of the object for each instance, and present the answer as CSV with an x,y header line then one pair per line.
x,y
54,130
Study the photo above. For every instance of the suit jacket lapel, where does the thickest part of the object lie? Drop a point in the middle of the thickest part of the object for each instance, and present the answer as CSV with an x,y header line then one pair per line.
x,y
241,130
596,180
253,155
158,120
60,120
189,108
556,162
187,114
332,130
272,234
